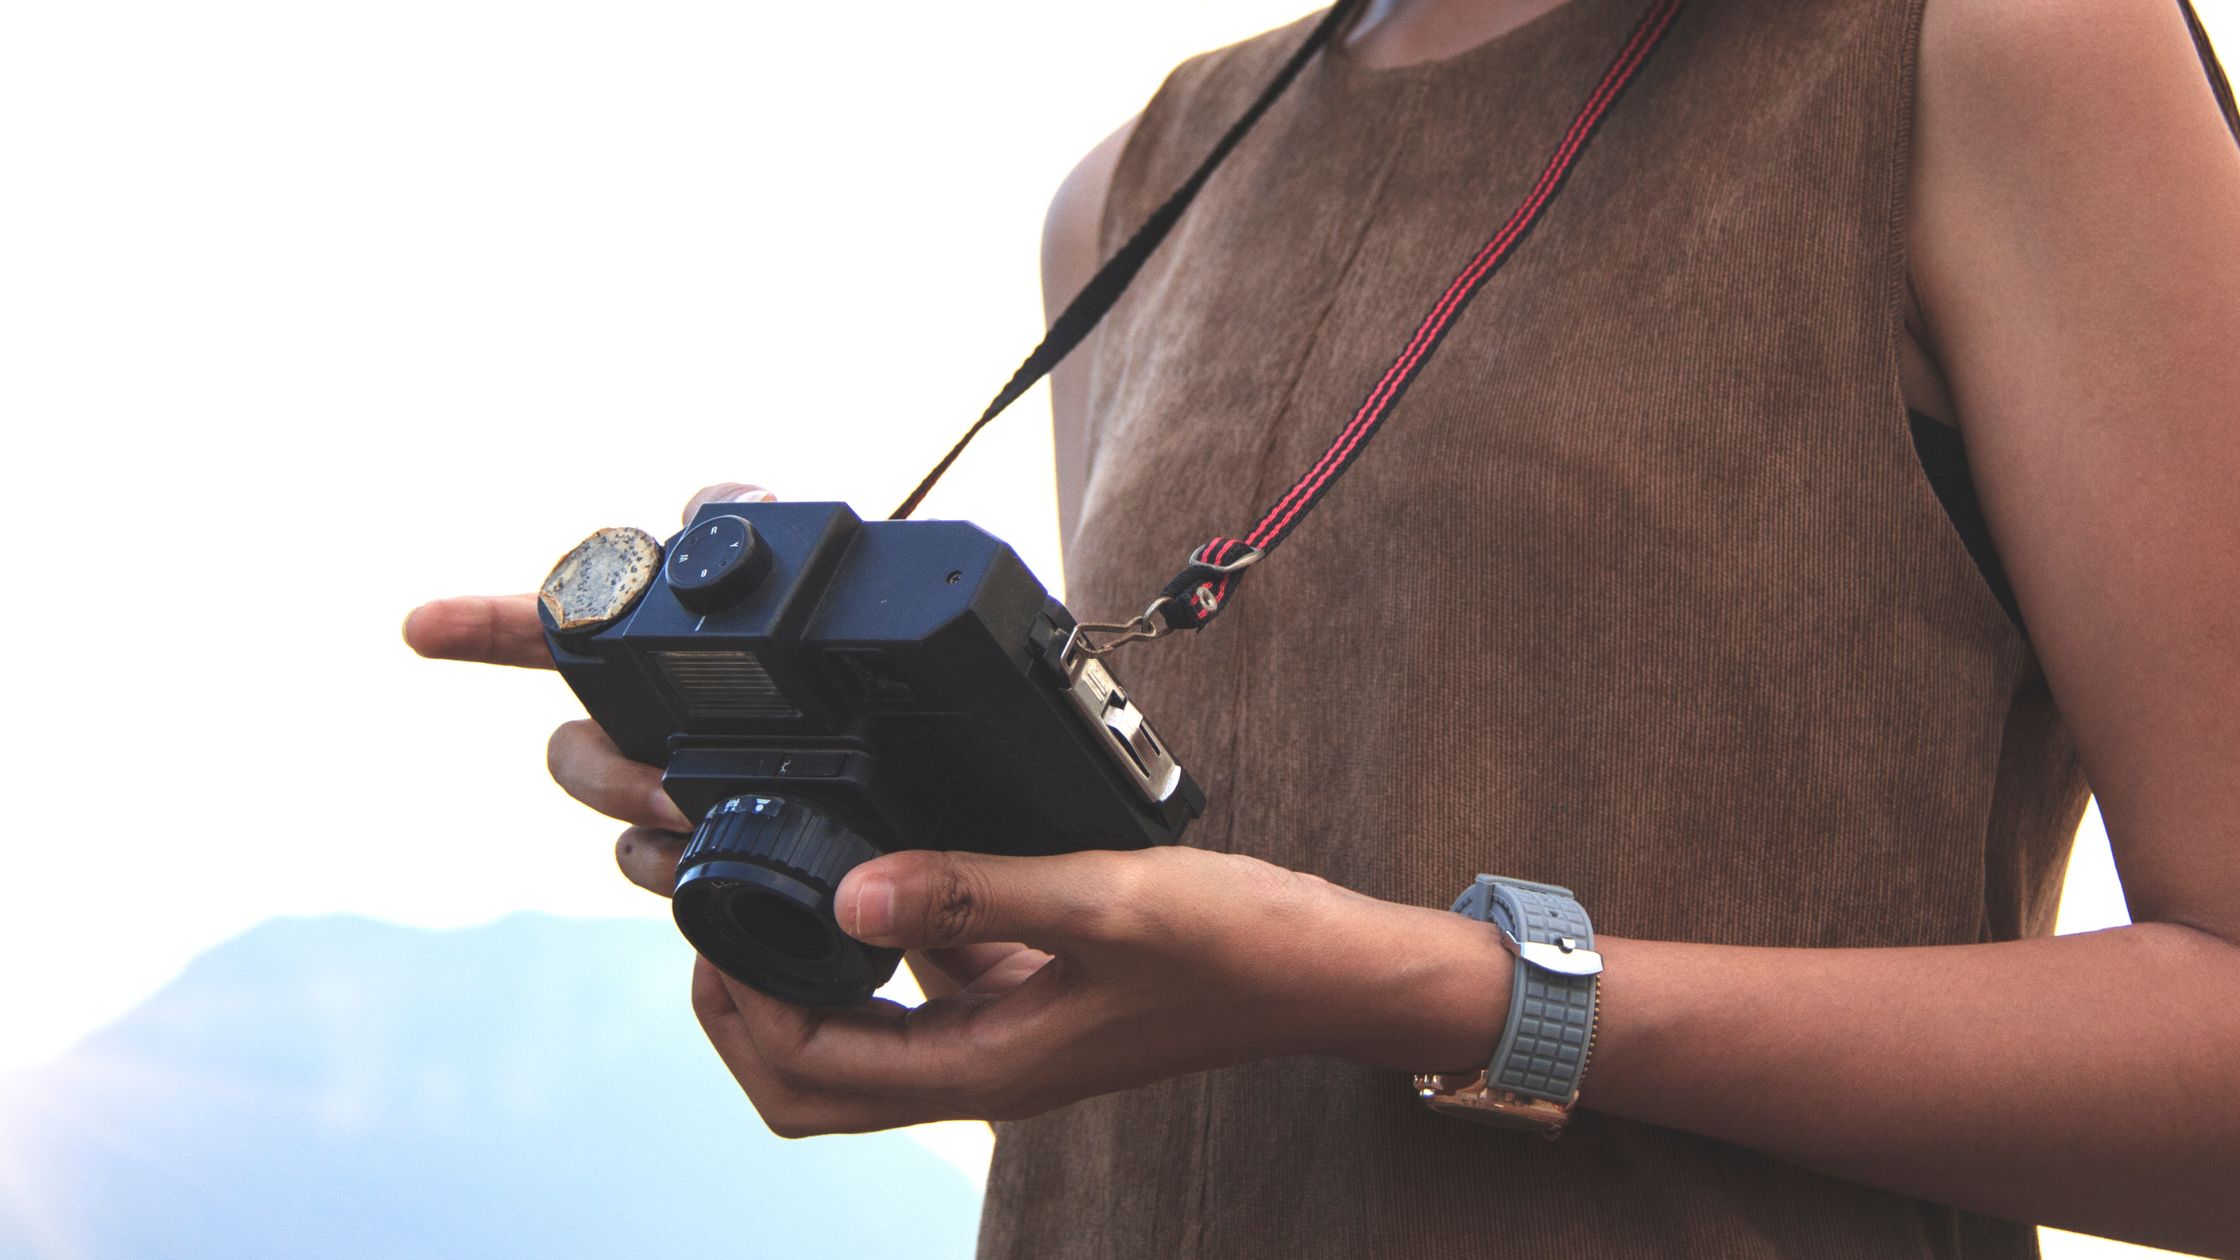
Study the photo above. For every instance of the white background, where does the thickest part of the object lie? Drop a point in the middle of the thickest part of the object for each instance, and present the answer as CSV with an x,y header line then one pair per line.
x,y
311,312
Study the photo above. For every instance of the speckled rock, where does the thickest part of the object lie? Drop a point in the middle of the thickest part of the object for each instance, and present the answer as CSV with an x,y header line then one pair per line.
x,y
599,580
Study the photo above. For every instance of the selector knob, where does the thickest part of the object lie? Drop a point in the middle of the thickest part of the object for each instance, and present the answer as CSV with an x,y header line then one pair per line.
x,y
717,563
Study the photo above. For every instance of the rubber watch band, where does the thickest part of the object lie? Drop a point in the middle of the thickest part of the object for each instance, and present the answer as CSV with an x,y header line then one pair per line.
x,y
1533,1078
1543,1050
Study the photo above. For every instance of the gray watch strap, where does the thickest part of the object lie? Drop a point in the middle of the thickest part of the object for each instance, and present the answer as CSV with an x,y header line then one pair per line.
x,y
1543,1050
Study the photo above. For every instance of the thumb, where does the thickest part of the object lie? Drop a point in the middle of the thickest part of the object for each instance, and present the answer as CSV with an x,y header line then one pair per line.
x,y
934,900
725,492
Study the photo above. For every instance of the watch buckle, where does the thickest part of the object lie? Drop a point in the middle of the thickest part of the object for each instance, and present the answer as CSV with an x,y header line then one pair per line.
x,y
1565,957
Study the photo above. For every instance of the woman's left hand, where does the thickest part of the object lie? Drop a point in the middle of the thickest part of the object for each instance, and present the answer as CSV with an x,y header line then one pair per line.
x,y
1086,973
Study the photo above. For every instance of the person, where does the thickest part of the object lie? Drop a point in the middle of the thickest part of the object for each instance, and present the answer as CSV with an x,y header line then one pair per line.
x,y
1841,472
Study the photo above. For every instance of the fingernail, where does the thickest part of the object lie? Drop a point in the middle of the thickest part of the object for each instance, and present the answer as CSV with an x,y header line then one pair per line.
x,y
666,811
875,910
757,496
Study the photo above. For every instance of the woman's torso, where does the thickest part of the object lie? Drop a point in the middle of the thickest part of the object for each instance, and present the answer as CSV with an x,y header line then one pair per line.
x,y
1642,591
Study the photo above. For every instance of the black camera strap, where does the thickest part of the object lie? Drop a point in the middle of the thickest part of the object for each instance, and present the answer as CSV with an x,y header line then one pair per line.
x,y
1199,593
1089,307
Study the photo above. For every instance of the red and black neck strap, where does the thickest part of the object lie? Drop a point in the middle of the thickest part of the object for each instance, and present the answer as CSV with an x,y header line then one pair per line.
x,y
1199,593
1202,590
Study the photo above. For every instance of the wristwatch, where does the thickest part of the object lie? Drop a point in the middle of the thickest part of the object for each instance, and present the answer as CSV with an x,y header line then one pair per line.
x,y
1533,1079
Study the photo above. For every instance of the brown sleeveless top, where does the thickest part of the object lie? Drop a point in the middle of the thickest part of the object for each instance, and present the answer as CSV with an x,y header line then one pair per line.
x,y
1642,591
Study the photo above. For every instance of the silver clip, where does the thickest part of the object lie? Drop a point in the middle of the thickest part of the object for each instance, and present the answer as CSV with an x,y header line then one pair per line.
x,y
1079,646
1564,957
1250,557
1203,599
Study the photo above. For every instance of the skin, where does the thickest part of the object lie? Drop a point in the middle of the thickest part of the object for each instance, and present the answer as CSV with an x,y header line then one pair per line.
x,y
2075,248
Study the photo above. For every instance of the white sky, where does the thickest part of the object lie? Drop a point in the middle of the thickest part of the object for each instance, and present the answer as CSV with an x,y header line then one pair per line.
x,y
311,312
314,312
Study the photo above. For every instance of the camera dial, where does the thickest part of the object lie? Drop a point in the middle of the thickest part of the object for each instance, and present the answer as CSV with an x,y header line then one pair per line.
x,y
717,563
755,896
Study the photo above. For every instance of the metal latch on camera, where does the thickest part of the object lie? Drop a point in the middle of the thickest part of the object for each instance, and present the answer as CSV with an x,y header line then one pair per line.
x,y
1126,735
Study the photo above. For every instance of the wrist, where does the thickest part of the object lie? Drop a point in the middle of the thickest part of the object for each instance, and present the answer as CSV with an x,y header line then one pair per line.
x,y
1426,987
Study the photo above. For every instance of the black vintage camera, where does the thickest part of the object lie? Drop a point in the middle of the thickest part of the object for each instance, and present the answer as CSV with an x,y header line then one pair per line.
x,y
822,690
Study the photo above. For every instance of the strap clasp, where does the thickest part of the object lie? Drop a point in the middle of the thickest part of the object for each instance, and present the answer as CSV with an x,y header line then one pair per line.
x,y
1194,588
1081,647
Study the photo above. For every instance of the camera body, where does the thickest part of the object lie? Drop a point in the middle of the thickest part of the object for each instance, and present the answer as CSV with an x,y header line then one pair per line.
x,y
821,689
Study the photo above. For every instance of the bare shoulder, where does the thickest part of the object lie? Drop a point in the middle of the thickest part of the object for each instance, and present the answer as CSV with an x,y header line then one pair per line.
x,y
2060,143
2063,79
1070,255
1070,250
1990,34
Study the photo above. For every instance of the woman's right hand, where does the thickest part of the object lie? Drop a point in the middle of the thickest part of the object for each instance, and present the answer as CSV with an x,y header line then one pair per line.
x,y
504,630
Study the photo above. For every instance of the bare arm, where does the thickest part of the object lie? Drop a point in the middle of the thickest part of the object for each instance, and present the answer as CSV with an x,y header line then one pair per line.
x,y
1070,255
2077,247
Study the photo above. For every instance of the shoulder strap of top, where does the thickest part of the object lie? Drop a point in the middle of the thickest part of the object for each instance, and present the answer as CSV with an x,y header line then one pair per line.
x,y
2218,83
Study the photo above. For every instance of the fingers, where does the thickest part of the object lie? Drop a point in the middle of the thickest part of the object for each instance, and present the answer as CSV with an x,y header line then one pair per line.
x,y
971,1055
974,968
935,900
587,765
648,857
501,630
726,492
733,1027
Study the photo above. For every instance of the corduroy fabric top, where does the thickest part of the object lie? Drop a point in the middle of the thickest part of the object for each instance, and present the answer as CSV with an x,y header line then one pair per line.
x,y
1641,591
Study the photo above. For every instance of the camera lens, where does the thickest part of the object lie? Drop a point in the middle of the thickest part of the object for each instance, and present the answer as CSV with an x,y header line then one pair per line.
x,y
755,896
778,925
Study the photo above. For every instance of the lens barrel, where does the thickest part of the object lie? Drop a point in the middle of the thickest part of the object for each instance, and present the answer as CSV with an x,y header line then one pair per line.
x,y
755,896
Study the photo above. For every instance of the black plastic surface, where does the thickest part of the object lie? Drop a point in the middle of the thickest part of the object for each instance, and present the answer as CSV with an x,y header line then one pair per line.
x,y
894,676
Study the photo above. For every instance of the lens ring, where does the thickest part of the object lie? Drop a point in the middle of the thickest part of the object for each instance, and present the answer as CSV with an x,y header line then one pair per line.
x,y
745,901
